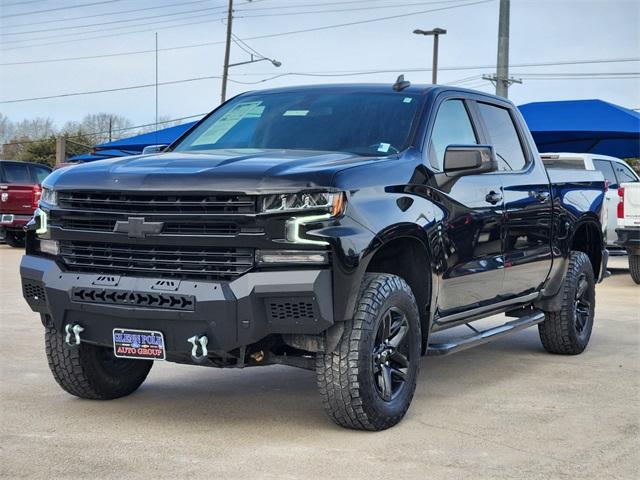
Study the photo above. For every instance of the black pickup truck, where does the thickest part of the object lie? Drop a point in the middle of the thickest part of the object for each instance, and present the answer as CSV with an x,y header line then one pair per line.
x,y
332,228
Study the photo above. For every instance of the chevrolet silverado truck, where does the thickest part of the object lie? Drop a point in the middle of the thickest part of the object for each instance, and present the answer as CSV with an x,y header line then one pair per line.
x,y
332,228
19,195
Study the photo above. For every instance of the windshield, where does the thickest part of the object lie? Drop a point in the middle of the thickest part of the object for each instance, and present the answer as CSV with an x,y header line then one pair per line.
x,y
361,123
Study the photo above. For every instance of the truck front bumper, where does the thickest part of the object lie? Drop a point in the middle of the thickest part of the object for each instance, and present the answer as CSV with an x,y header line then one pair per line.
x,y
629,239
231,314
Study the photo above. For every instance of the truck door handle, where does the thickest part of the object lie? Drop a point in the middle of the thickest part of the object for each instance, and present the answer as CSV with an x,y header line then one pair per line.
x,y
541,195
493,197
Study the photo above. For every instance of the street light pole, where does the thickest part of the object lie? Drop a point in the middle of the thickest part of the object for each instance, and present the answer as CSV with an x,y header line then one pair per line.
x,y
227,53
436,32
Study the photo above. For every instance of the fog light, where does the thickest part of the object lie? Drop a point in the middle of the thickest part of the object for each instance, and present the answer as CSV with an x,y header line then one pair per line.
x,y
49,246
291,257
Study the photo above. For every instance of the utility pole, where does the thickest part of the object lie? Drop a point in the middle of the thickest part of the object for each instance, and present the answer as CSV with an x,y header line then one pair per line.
x,y
61,150
501,78
227,53
436,32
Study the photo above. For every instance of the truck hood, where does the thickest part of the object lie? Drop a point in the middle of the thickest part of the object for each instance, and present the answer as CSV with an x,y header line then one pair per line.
x,y
225,170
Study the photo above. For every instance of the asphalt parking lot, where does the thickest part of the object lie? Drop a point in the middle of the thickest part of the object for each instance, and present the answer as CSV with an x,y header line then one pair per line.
x,y
503,410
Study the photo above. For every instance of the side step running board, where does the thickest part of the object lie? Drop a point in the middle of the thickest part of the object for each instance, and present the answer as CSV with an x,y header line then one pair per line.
x,y
486,336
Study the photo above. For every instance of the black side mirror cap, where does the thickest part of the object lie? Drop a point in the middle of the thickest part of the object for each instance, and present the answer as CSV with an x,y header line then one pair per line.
x,y
469,160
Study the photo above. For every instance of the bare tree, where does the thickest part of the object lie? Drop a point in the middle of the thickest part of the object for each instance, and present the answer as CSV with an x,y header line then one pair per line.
x,y
36,128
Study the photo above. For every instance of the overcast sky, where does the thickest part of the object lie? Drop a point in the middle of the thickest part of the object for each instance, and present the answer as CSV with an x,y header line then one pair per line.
x,y
553,31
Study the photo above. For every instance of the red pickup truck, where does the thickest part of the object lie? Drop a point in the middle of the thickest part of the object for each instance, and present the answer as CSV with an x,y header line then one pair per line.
x,y
19,195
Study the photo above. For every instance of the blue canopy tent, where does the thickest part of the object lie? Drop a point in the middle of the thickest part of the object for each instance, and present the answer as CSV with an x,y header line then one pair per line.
x,y
584,126
133,145
137,143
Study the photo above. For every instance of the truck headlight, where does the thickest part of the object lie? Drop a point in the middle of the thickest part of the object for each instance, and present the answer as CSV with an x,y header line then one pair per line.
x,y
49,196
333,203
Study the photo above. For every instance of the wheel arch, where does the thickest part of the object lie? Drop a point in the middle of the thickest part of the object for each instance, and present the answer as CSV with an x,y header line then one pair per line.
x,y
404,250
587,237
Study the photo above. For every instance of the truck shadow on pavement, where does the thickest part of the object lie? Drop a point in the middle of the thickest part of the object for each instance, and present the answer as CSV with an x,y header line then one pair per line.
x,y
283,397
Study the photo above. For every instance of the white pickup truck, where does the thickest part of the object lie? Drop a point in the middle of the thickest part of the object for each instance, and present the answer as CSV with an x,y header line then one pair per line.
x,y
628,225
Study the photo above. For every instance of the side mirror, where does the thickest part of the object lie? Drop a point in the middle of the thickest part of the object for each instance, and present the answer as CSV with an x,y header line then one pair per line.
x,y
469,159
153,149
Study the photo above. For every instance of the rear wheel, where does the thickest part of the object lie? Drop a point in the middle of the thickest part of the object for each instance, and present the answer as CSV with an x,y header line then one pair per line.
x,y
15,239
368,382
568,331
634,268
92,372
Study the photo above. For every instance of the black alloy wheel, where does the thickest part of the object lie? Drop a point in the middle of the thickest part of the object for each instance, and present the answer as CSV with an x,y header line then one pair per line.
x,y
391,355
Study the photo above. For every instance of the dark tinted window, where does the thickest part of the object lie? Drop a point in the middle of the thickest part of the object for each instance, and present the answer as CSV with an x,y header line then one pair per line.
x,y
503,136
564,163
362,123
452,127
624,173
41,173
16,173
604,166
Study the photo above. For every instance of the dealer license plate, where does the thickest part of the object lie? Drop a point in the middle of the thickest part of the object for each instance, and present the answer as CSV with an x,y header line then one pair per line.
x,y
139,344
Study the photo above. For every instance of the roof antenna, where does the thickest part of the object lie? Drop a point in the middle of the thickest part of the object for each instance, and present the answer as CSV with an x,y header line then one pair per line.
x,y
401,84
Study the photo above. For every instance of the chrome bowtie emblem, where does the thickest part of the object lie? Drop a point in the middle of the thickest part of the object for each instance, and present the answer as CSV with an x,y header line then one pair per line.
x,y
136,227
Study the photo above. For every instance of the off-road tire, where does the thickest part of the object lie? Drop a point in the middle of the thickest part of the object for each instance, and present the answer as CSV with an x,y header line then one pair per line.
x,y
560,332
634,268
14,240
345,376
92,372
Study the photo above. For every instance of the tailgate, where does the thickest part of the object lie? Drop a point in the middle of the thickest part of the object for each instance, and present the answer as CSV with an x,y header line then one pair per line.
x,y
631,205
16,198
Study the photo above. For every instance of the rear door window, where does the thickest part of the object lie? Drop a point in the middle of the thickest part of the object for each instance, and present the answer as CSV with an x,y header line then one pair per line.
x,y
605,167
503,136
16,173
624,173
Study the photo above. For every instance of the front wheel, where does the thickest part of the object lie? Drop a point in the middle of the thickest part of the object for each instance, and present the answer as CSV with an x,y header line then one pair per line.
x,y
92,372
634,268
568,331
368,382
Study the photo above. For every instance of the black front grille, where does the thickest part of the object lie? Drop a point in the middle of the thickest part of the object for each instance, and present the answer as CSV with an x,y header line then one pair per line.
x,y
164,261
157,203
169,228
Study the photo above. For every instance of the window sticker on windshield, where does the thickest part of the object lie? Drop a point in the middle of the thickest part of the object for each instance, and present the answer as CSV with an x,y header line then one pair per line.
x,y
229,120
295,113
384,147
407,100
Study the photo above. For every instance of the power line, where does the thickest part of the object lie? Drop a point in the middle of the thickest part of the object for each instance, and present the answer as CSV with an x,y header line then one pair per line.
x,y
95,15
609,75
222,7
109,90
153,29
34,12
58,29
293,32
378,7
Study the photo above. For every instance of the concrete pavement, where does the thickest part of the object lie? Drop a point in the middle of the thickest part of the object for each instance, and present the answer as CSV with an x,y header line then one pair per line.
x,y
503,410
